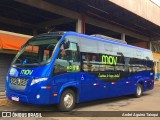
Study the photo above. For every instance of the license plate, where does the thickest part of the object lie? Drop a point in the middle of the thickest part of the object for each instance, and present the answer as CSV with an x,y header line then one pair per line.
x,y
15,98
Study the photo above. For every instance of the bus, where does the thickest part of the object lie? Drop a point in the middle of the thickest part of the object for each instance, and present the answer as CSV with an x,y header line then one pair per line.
x,y
66,68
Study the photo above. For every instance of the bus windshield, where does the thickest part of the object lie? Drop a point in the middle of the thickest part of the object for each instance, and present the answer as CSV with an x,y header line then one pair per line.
x,y
36,52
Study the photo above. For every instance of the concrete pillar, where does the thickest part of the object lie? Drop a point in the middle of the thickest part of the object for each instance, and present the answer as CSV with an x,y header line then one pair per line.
x,y
79,26
123,36
150,45
83,24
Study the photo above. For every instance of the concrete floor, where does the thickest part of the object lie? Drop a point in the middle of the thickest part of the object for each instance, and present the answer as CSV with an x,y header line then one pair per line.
x,y
150,101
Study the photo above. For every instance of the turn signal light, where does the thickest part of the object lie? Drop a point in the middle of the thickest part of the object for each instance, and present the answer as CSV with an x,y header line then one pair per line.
x,y
55,94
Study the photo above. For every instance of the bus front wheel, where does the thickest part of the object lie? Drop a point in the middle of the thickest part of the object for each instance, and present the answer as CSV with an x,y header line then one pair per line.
x,y
139,90
67,101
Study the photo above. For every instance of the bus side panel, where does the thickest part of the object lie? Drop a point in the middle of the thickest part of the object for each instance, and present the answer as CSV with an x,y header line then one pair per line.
x,y
146,78
91,88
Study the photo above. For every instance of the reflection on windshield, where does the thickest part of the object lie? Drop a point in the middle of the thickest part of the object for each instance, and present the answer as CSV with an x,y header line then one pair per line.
x,y
36,52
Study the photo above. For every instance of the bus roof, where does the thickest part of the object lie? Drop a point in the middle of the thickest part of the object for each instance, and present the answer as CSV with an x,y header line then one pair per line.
x,y
105,40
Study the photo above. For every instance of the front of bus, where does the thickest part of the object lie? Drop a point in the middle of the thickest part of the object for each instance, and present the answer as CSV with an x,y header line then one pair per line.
x,y
28,78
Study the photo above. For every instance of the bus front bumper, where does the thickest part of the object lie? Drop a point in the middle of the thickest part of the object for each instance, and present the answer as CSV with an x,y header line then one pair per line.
x,y
41,98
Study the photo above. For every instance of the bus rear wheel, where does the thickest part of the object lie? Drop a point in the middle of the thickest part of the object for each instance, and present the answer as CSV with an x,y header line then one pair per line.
x,y
139,90
67,101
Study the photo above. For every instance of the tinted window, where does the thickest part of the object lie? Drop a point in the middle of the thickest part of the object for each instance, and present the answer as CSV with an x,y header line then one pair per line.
x,y
90,62
67,60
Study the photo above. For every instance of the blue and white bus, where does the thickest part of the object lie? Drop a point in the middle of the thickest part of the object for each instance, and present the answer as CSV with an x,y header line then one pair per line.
x,y
66,68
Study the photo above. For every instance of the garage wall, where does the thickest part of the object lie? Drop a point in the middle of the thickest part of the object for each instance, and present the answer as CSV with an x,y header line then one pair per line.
x,y
147,9
141,44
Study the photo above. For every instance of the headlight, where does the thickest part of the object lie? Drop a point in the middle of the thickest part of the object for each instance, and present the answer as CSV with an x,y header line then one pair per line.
x,y
34,81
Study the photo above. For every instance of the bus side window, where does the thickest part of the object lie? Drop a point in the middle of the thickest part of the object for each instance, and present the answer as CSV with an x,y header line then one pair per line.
x,y
120,68
123,64
67,60
137,65
86,58
90,62
107,68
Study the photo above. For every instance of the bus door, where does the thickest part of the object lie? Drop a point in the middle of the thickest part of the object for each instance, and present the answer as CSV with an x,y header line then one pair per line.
x,y
67,65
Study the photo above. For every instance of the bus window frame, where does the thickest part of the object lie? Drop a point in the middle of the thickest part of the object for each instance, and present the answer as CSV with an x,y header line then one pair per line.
x,y
78,57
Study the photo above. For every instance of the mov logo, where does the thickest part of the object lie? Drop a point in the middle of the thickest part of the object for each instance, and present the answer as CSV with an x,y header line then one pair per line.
x,y
109,60
26,72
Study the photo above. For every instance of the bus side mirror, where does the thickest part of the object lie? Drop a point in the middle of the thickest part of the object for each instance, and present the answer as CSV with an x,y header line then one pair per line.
x,y
66,44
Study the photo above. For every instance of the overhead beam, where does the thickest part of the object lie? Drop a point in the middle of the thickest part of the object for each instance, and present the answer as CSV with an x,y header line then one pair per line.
x,y
17,23
75,15
55,22
115,28
51,8
33,26
155,39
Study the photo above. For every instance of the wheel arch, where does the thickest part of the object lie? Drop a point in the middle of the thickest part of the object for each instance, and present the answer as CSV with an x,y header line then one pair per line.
x,y
73,87
142,83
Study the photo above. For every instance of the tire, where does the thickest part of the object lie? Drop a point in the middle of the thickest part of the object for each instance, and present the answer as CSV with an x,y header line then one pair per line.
x,y
139,90
67,100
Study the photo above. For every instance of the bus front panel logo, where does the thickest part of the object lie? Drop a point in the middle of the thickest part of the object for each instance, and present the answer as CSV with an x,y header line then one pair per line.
x,y
26,72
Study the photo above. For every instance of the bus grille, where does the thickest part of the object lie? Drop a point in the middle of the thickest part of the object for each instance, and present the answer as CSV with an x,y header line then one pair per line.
x,y
19,81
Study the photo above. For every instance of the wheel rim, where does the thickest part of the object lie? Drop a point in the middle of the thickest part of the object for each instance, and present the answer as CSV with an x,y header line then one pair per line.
x,y
68,100
139,90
